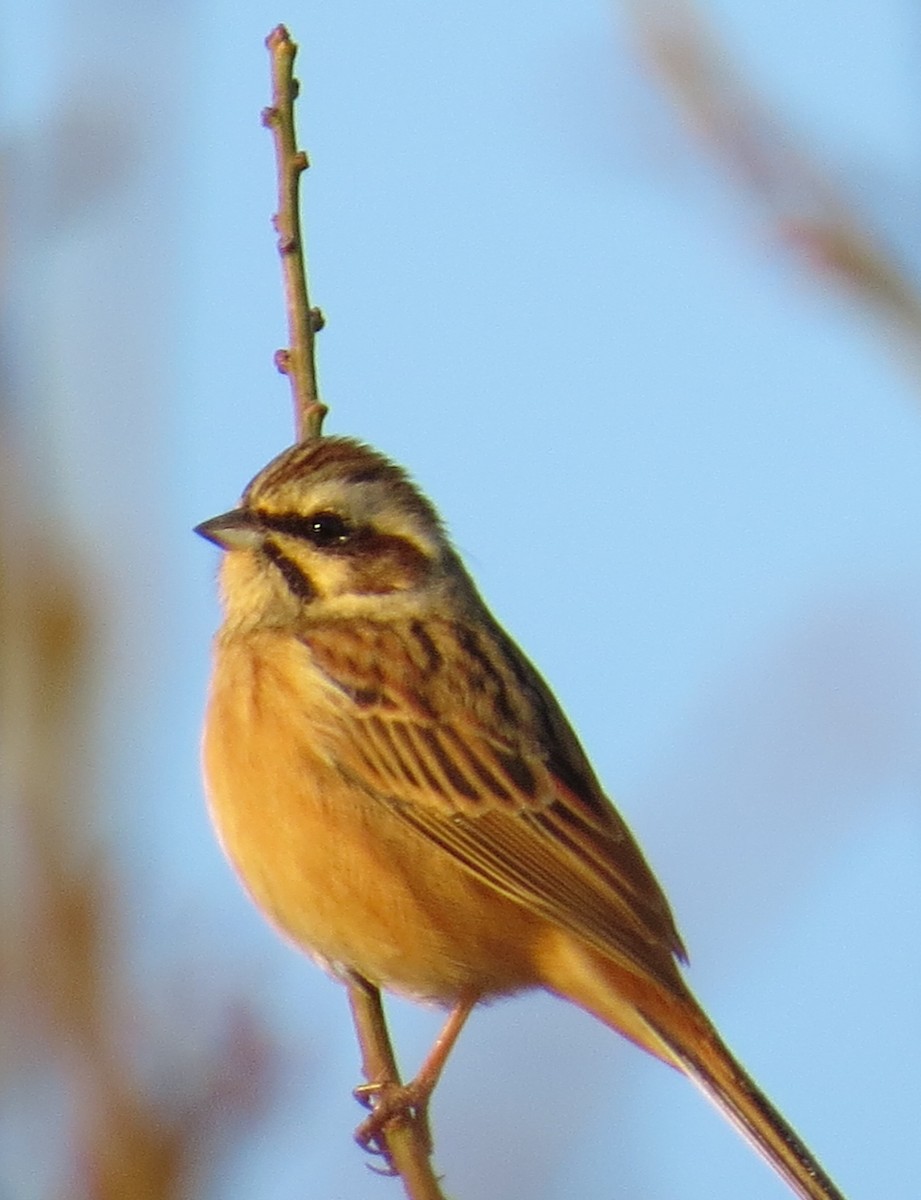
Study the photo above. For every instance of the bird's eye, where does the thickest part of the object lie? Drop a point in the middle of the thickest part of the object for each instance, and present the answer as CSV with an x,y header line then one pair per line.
x,y
327,529
322,529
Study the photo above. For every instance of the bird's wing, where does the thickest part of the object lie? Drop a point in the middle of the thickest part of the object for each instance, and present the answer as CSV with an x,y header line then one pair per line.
x,y
482,761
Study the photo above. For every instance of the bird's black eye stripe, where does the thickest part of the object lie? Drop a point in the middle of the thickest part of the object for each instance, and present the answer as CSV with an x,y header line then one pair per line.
x,y
321,529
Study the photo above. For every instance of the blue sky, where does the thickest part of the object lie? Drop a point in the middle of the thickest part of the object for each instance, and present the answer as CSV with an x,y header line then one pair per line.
x,y
686,479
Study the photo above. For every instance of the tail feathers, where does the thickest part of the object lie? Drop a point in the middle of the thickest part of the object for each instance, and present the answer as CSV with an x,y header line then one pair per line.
x,y
669,1023
723,1081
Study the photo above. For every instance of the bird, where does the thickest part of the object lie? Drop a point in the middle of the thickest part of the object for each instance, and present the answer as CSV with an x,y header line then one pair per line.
x,y
404,799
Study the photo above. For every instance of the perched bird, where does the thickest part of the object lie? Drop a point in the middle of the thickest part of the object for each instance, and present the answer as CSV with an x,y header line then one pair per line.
x,y
403,797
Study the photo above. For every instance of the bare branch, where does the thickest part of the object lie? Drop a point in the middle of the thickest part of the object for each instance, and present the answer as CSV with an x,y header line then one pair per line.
x,y
404,1142
405,1149
298,361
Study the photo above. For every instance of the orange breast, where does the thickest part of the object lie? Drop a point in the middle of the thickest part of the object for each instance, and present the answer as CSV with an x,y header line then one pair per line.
x,y
335,870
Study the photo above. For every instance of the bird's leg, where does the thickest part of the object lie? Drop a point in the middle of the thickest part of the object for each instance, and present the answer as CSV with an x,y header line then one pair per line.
x,y
388,1099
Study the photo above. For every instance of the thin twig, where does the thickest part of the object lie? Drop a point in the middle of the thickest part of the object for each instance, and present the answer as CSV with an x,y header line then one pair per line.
x,y
298,361
403,1141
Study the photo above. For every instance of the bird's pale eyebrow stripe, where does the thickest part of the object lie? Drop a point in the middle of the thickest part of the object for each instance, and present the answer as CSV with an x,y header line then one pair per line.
x,y
294,577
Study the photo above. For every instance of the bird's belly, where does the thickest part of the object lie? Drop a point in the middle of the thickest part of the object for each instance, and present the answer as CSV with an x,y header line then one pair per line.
x,y
340,873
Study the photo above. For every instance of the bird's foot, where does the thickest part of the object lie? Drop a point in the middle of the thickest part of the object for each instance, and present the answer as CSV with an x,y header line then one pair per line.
x,y
390,1102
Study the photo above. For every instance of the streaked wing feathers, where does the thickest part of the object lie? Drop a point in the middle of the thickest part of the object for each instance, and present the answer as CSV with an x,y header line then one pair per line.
x,y
440,767
483,762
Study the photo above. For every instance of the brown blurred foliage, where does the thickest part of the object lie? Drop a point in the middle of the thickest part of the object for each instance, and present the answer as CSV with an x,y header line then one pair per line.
x,y
65,1006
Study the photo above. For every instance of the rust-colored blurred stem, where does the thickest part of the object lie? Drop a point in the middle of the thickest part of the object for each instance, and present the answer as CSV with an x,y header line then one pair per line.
x,y
59,959
63,978
763,158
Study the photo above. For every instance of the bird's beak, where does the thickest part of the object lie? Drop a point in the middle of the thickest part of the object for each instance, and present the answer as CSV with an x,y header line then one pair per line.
x,y
234,530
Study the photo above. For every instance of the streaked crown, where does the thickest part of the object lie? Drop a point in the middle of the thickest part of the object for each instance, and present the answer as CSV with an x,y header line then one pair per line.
x,y
346,472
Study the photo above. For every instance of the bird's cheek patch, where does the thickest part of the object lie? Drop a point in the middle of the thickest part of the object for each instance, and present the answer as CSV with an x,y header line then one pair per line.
x,y
383,562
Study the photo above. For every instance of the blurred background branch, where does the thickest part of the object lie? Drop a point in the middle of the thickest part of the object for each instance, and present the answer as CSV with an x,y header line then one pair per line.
x,y
67,1010
99,1100
765,159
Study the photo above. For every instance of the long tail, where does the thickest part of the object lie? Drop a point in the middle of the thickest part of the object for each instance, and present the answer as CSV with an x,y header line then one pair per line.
x,y
668,1021
721,1078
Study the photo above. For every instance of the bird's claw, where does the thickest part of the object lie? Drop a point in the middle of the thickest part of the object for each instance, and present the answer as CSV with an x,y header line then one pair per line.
x,y
389,1102
365,1093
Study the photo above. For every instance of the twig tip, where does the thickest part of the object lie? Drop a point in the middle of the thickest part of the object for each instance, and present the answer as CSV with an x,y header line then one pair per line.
x,y
278,37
